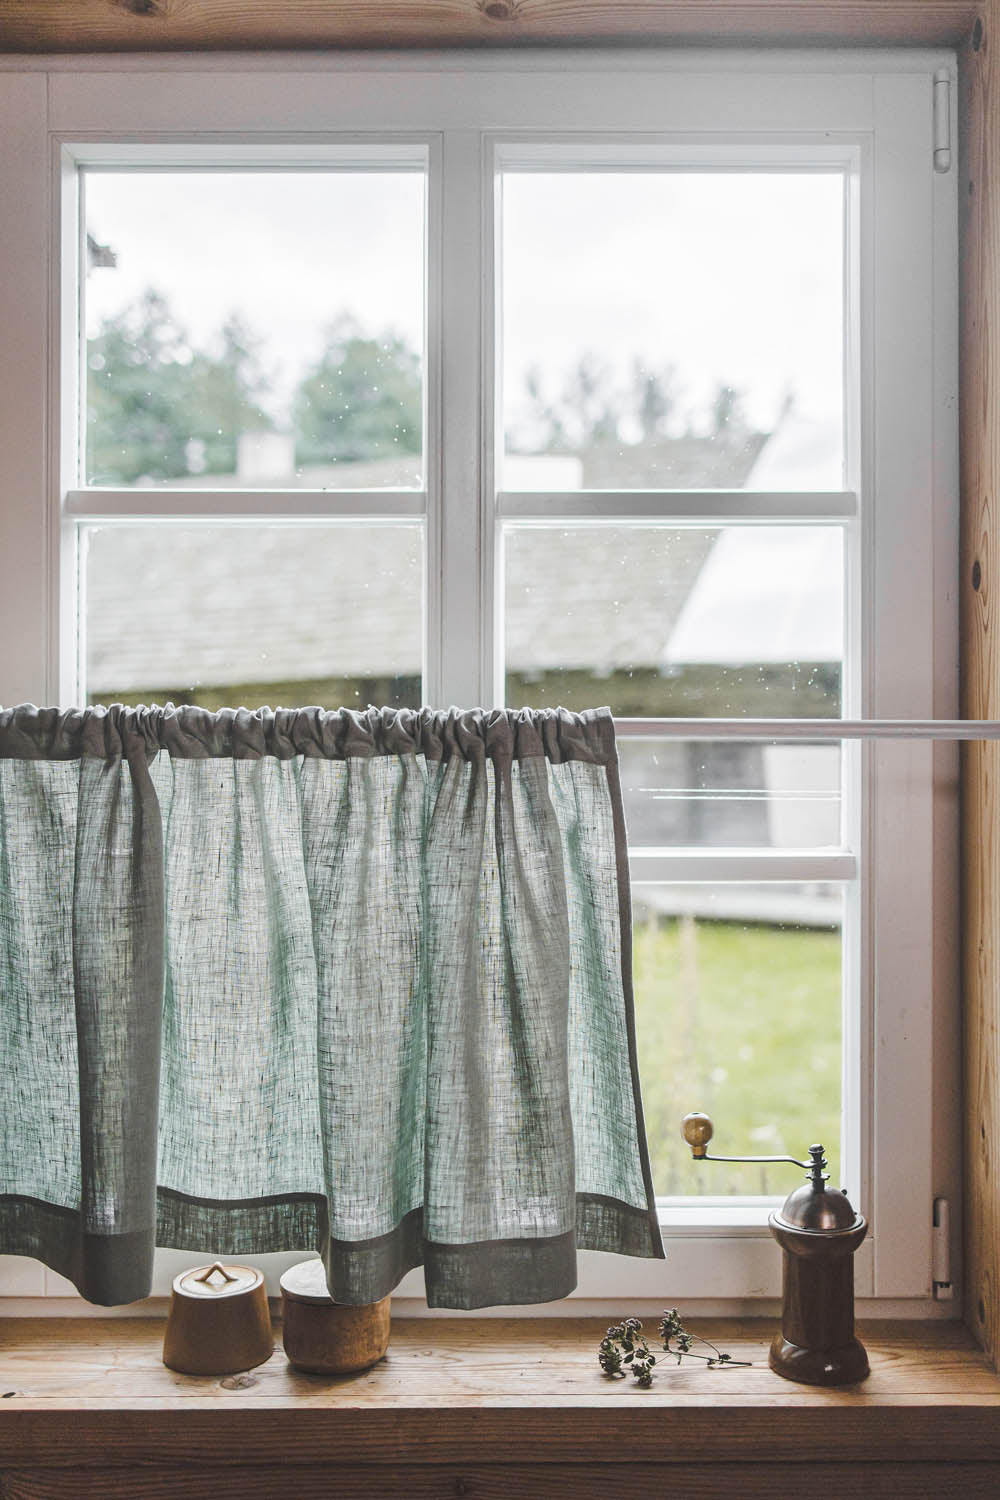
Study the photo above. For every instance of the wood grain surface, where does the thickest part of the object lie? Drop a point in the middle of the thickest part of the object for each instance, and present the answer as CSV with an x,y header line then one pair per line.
x,y
92,1394
623,1481
128,25
979,194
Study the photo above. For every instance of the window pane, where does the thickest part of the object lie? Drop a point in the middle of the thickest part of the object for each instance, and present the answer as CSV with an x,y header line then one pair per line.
x,y
690,621
673,330
246,614
673,620
700,793
257,329
738,1013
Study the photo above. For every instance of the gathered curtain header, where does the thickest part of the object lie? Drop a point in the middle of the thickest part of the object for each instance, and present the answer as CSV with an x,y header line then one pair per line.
x,y
190,733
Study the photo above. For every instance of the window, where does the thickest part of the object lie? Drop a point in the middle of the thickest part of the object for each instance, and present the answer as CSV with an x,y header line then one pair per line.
x,y
622,379
246,332
640,359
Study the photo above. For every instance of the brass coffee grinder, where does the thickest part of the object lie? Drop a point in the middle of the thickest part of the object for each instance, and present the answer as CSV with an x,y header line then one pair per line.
x,y
818,1232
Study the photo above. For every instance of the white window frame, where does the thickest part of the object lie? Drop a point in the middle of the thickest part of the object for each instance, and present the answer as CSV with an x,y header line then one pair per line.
x,y
900,510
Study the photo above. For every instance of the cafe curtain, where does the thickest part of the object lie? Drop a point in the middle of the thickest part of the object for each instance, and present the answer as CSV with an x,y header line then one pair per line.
x,y
356,983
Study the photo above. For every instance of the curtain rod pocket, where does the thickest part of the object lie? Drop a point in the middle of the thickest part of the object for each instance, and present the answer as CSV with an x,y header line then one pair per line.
x,y
191,733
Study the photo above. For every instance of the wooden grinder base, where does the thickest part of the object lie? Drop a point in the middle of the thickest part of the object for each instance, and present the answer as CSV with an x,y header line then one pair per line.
x,y
817,1344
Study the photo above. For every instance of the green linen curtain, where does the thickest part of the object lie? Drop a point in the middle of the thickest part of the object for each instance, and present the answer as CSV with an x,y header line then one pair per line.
x,y
352,982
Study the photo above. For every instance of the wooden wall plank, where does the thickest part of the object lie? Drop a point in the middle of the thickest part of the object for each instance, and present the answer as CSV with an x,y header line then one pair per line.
x,y
979,193
127,25
626,1481
337,1436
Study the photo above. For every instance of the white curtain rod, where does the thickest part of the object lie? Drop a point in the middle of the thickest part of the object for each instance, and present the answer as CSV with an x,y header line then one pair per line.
x,y
808,729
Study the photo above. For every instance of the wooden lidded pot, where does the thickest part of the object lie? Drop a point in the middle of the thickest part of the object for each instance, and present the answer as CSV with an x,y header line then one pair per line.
x,y
219,1321
325,1337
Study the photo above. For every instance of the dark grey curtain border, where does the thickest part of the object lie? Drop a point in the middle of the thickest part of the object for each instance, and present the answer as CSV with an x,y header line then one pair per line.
x,y
113,1269
107,1269
625,927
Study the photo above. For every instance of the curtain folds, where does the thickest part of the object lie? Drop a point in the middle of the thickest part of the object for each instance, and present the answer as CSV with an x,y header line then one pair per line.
x,y
351,982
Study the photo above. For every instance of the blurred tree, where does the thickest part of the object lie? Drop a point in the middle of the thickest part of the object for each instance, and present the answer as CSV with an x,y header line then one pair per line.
x,y
652,400
547,424
362,399
727,412
593,406
159,409
593,410
227,390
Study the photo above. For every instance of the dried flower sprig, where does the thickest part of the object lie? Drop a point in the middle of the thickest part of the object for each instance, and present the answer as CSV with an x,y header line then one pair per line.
x,y
624,1348
623,1345
677,1341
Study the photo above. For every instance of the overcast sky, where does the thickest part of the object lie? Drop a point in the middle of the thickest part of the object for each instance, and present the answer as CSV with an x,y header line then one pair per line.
x,y
290,251
731,278
726,277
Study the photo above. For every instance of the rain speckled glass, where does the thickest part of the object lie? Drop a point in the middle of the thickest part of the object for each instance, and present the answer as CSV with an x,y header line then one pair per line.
x,y
327,613
254,329
691,621
674,449
641,352
739,993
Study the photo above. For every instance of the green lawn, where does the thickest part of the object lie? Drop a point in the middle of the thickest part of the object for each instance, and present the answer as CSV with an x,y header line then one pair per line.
x,y
742,1021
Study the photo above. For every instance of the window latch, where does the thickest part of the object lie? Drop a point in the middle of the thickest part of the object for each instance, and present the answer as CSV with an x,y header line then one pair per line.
x,y
941,1252
942,120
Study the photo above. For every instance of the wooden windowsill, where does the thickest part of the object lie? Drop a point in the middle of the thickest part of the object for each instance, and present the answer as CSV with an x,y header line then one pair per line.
x,y
93,1392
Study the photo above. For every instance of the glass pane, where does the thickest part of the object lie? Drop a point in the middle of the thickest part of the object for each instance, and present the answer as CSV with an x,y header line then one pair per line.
x,y
690,621
671,620
259,329
228,615
738,1013
700,793
673,330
